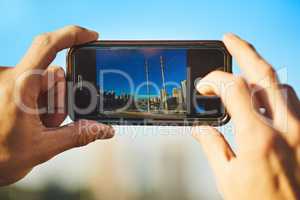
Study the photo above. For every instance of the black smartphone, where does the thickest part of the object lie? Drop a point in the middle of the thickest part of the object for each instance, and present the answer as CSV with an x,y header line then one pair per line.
x,y
145,82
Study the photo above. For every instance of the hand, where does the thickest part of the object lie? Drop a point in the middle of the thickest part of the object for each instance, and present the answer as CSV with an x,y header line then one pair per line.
x,y
29,137
266,162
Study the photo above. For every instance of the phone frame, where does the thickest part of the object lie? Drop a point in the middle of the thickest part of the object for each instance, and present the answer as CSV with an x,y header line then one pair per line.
x,y
71,73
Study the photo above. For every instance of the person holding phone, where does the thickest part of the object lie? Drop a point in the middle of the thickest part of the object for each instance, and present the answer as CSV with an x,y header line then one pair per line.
x,y
264,166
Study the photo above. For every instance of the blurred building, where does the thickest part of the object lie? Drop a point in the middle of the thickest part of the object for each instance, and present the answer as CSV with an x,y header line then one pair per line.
x,y
150,170
104,180
164,97
175,92
183,90
172,172
178,95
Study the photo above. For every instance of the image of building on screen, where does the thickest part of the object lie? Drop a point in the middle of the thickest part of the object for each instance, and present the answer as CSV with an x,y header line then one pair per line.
x,y
159,83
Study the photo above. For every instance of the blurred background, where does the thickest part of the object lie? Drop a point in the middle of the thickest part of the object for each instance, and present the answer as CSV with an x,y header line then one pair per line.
x,y
144,162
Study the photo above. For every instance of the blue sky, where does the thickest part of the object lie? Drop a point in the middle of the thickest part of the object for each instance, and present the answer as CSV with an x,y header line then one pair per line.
x,y
132,62
272,26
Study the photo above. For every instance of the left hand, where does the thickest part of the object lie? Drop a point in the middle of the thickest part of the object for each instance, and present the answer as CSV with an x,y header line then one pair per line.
x,y
28,137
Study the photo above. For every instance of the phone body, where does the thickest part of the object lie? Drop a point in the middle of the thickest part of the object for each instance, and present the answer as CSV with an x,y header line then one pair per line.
x,y
145,82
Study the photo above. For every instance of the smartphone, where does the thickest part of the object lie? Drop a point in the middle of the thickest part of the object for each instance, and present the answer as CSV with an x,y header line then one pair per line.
x,y
145,82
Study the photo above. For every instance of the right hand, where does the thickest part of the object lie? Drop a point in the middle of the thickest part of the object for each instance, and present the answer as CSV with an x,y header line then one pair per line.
x,y
266,164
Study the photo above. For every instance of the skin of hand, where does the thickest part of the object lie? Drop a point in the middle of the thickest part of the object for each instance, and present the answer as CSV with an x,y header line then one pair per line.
x,y
265,163
29,137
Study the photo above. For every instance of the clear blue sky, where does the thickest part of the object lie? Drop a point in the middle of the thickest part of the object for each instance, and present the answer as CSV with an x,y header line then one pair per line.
x,y
272,26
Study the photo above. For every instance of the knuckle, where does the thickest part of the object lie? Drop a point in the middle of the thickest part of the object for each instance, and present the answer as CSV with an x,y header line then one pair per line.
x,y
74,30
267,143
236,85
250,46
78,135
82,140
43,39
216,73
247,45
73,27
57,70
287,88
268,70
239,83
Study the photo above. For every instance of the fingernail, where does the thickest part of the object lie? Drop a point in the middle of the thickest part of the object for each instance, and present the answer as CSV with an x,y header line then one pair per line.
x,y
197,81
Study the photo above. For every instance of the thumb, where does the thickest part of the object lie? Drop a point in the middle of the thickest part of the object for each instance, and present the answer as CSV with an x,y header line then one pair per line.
x,y
77,134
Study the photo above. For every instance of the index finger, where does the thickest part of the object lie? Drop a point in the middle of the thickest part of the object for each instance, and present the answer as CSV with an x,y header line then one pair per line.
x,y
44,47
261,74
255,67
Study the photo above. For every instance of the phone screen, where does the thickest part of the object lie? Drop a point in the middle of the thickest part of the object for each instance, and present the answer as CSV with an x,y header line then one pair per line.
x,y
148,82
153,82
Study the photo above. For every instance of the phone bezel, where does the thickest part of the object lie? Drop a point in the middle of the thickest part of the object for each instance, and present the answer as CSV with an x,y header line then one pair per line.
x,y
212,44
